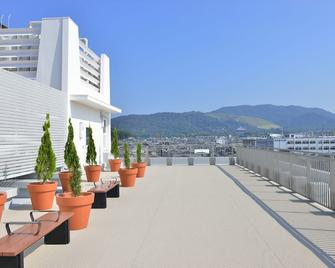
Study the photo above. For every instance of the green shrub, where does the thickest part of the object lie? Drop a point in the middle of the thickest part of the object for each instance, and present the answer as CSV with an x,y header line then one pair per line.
x,y
71,160
115,145
76,180
126,156
139,153
46,159
68,153
91,154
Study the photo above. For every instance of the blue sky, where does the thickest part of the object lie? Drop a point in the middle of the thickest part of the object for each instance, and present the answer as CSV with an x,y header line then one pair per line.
x,y
183,55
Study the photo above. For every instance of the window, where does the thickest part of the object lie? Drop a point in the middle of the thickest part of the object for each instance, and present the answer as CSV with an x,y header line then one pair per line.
x,y
104,125
87,132
312,142
298,142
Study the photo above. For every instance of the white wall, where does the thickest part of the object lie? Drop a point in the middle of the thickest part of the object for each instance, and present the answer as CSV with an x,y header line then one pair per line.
x,y
23,105
84,116
49,66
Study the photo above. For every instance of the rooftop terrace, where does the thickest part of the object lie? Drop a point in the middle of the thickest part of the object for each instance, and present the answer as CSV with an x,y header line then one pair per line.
x,y
196,216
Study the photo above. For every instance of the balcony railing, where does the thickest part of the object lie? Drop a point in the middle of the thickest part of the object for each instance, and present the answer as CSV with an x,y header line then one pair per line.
x,y
312,176
190,161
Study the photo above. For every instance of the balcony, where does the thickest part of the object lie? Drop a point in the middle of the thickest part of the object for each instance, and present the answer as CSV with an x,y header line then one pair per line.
x,y
197,216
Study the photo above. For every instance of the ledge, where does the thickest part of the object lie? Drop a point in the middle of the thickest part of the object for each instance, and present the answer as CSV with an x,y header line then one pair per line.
x,y
94,103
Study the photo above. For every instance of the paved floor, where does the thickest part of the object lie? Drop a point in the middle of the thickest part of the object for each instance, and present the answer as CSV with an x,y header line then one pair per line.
x,y
313,221
177,216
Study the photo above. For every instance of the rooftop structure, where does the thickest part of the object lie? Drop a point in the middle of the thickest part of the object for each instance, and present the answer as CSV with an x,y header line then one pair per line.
x,y
48,67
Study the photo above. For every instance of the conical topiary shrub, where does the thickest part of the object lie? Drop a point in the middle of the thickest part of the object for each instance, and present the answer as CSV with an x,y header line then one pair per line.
x,y
126,157
42,193
139,164
77,202
139,153
127,174
46,159
92,169
115,163
70,158
115,145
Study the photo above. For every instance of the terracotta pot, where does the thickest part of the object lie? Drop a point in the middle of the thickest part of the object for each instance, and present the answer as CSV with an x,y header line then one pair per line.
x,y
140,169
93,173
42,194
115,164
65,179
128,176
79,205
3,199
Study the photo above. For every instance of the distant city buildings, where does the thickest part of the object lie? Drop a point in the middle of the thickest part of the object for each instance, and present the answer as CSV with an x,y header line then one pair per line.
x,y
301,142
258,142
182,146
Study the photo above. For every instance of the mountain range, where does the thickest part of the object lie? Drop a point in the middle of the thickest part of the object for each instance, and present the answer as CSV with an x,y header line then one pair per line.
x,y
228,120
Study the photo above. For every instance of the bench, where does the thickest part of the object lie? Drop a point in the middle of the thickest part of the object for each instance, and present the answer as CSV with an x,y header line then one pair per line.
x,y
53,226
104,190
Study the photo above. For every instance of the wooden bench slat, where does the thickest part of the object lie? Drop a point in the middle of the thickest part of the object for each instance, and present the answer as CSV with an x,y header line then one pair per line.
x,y
16,243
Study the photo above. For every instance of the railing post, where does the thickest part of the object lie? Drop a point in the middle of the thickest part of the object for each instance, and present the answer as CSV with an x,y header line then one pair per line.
x,y
212,160
276,169
169,161
308,177
290,172
332,183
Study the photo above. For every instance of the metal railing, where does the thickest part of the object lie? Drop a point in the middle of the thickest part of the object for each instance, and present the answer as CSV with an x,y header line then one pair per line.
x,y
309,175
190,161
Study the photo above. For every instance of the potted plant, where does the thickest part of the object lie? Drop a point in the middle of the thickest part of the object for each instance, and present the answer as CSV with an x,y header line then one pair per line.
x,y
127,174
75,201
66,175
92,170
139,164
115,163
3,199
42,193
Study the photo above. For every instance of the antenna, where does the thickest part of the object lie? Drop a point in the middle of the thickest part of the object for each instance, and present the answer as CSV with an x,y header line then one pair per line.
x,y
9,16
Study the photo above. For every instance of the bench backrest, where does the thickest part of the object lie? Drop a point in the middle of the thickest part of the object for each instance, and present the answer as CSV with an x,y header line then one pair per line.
x,y
105,187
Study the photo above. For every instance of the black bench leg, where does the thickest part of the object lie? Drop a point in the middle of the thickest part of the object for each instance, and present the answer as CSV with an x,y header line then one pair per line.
x,y
12,262
114,192
59,236
99,200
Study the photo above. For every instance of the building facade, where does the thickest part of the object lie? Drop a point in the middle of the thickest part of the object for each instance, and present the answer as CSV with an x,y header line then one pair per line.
x,y
299,142
258,142
51,55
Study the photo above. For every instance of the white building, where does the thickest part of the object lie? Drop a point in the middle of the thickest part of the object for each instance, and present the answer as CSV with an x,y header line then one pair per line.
x,y
299,142
49,68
